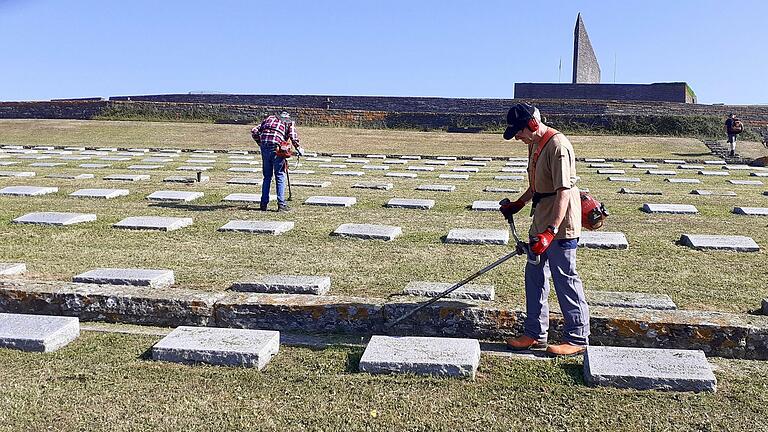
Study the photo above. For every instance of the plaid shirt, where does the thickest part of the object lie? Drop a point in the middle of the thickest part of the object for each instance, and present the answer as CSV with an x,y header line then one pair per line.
x,y
273,131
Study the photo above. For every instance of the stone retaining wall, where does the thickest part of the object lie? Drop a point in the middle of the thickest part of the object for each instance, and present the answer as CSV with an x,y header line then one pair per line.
x,y
717,334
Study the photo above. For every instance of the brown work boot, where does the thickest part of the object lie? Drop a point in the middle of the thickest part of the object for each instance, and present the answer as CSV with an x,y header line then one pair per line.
x,y
565,349
524,342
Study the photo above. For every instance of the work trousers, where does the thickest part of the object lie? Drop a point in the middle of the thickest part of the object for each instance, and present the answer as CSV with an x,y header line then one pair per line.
x,y
559,262
732,141
272,166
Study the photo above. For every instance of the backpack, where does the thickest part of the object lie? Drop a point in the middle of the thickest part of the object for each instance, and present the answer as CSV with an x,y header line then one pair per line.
x,y
737,126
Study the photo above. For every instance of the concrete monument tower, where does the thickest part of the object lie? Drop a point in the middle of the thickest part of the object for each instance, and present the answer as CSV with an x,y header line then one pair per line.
x,y
586,70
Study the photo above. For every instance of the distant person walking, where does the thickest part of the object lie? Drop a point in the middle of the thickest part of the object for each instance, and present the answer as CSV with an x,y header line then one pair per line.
x,y
273,132
733,127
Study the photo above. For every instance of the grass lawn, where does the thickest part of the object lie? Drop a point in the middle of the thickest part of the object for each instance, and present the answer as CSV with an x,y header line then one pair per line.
x,y
106,382
205,259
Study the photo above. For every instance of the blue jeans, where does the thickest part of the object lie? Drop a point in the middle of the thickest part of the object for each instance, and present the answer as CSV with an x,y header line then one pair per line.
x,y
559,262
273,166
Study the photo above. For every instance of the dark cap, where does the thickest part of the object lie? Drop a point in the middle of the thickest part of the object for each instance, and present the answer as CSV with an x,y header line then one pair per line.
x,y
517,119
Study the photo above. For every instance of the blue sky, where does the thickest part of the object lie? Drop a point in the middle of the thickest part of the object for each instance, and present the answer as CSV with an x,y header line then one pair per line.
x,y
80,48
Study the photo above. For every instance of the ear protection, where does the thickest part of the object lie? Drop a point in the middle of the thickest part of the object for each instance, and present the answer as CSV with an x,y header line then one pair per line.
x,y
533,124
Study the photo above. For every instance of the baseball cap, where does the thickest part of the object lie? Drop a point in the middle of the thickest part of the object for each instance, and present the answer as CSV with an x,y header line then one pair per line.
x,y
517,119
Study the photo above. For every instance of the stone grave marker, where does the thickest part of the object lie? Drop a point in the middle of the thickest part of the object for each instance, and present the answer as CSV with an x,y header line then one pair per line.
x,y
669,208
624,179
473,163
661,172
500,190
285,284
37,333
167,195
17,173
482,159
648,369
420,204
368,231
454,176
523,164
319,184
714,173
603,240
601,165
356,161
446,158
332,166
348,173
127,276
435,163
420,168
394,162
245,181
375,167
145,167
690,167
477,236
630,300
8,163
158,223
244,170
737,167
47,164
99,193
751,211
719,242
244,198
12,269
127,177
94,165
758,174
373,185
611,171
639,192
595,160
633,161
401,174
333,201
160,160
258,227
28,190
194,168
485,205
376,156
709,192
436,188
467,292
444,357
513,170
674,161
341,155
683,180
509,178
186,179
465,169
410,157
746,182
70,176
714,162
318,159
218,346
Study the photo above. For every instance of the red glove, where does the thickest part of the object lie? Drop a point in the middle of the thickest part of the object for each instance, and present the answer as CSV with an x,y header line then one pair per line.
x,y
541,241
509,208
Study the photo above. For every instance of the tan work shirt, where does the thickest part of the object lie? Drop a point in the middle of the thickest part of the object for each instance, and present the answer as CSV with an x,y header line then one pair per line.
x,y
555,169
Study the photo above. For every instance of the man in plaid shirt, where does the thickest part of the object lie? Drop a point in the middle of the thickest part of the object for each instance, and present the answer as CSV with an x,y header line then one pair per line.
x,y
272,132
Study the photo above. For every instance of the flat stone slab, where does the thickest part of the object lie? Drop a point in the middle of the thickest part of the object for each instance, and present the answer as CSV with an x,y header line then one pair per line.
x,y
474,163
601,165
285,284
648,369
319,184
509,178
746,182
611,171
94,165
444,357
368,231
719,242
47,164
630,300
55,218
146,167
485,205
633,160
245,170
245,180
714,162
465,169
127,177
258,227
645,166
375,167
28,190
71,176
514,170
243,197
674,161
420,168
500,190
17,173
661,172
598,160
127,276
332,201
683,180
159,223
12,269
37,333
446,158
373,185
165,195
670,208
639,192
435,163
751,211
477,236
737,167
348,173
420,204
454,176
194,168
690,167
603,240
624,179
759,174
332,166
218,346
100,193
401,174
186,179
468,291
715,193
714,173
436,188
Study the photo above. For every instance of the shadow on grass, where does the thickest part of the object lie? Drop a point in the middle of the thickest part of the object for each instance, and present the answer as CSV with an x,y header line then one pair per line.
x,y
693,154
353,360
574,372
200,208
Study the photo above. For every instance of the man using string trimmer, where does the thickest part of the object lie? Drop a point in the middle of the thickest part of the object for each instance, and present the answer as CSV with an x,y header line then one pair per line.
x,y
554,234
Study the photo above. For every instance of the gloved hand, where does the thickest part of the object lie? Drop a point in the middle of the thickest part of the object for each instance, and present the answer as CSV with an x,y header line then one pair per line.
x,y
509,208
541,241
300,150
